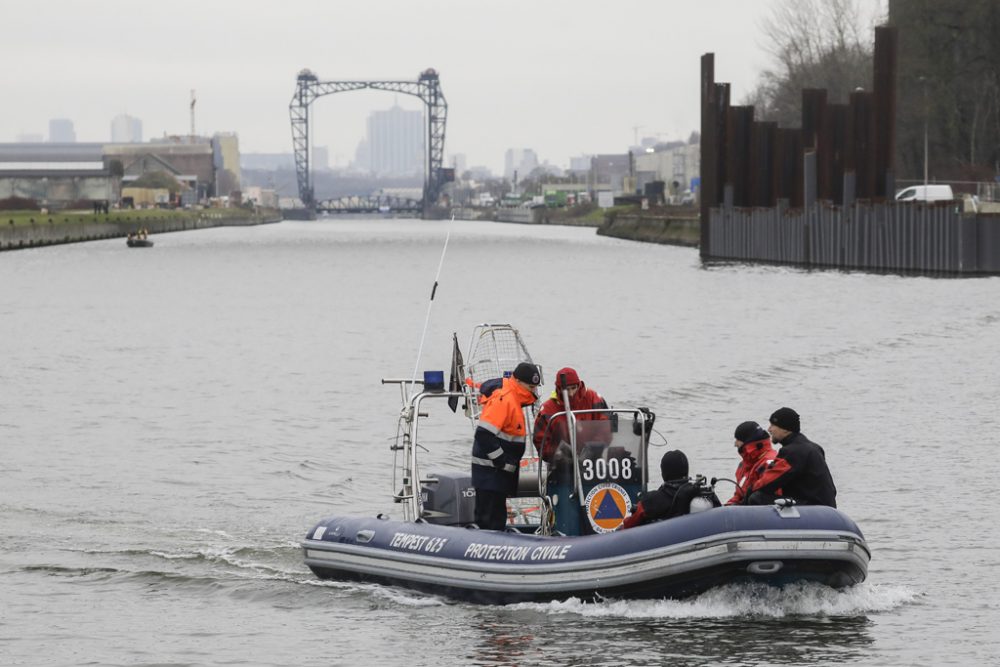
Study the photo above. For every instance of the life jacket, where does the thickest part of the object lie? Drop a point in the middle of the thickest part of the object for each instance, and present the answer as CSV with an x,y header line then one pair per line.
x,y
756,455
487,388
500,438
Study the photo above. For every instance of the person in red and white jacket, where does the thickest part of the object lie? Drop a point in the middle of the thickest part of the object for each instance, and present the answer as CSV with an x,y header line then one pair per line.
x,y
581,397
754,446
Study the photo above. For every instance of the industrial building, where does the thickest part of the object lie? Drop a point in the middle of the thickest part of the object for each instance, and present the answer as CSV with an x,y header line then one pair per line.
x,y
57,175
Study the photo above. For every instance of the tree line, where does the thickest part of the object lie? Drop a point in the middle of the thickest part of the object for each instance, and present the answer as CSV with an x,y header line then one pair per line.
x,y
949,71
948,76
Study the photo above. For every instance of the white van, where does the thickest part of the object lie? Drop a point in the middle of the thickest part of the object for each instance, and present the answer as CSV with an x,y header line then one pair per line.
x,y
926,193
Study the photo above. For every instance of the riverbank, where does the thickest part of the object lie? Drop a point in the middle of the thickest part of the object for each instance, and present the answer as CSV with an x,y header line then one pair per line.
x,y
668,229
31,229
667,225
573,216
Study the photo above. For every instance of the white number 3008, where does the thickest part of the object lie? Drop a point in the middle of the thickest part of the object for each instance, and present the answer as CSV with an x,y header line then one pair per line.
x,y
610,469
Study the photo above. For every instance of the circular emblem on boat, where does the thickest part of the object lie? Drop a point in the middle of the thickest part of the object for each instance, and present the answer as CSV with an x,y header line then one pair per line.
x,y
607,506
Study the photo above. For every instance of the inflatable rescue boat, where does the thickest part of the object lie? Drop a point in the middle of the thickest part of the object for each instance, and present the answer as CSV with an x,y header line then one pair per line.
x,y
565,539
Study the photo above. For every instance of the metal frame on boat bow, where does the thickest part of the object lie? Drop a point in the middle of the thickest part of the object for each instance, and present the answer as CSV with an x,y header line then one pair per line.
x,y
405,471
494,352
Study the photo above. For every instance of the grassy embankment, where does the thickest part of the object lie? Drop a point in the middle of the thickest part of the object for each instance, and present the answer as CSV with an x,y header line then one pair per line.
x,y
583,215
137,216
671,225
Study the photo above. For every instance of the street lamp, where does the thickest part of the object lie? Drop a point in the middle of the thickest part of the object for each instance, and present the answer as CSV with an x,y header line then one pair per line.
x,y
923,80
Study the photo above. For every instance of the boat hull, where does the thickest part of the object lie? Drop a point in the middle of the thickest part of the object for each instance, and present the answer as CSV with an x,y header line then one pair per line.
x,y
669,559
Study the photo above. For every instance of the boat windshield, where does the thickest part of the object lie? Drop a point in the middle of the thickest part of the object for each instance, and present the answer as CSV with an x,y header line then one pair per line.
x,y
594,478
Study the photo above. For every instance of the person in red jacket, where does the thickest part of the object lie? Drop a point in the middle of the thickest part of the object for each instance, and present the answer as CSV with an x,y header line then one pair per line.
x,y
498,445
549,431
754,446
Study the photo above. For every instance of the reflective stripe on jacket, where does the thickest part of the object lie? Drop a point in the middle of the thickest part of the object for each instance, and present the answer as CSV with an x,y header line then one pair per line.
x,y
500,438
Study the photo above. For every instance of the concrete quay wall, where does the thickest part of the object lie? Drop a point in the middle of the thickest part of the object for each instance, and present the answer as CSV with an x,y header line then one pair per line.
x,y
653,229
13,237
526,216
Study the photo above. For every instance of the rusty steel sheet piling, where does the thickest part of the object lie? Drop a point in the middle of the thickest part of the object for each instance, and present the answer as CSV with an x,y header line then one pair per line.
x,y
884,83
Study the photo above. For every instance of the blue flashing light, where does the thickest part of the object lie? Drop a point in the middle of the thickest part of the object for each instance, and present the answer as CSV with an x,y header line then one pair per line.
x,y
433,380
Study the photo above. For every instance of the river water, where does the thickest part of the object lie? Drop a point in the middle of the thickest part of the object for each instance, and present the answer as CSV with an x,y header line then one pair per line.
x,y
173,420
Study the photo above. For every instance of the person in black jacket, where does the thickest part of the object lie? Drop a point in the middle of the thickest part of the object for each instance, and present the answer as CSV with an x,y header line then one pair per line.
x,y
799,472
673,498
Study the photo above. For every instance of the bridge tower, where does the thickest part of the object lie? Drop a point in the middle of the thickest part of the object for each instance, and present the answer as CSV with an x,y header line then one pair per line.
x,y
427,87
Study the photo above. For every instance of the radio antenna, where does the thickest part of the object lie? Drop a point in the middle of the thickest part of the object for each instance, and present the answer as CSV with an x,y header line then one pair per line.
x,y
427,319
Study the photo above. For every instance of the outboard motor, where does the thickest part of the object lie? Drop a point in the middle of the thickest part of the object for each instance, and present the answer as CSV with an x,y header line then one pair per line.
x,y
449,501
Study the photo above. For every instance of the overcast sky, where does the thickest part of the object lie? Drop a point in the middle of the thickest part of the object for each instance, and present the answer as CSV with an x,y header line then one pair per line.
x,y
564,77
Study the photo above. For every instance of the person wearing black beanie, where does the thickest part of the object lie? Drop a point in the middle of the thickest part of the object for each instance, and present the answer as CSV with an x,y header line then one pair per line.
x,y
799,471
498,445
754,447
674,465
786,419
673,498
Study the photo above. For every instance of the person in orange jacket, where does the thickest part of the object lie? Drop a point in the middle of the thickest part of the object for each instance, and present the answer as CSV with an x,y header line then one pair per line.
x,y
754,447
499,445
546,436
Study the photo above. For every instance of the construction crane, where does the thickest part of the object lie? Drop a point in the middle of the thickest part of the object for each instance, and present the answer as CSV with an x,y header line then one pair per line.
x,y
635,134
193,100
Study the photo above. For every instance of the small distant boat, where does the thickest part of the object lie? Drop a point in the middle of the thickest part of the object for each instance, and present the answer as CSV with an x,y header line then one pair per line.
x,y
139,243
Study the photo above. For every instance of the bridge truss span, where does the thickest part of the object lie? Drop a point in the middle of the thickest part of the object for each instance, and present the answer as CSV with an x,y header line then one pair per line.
x,y
427,87
370,204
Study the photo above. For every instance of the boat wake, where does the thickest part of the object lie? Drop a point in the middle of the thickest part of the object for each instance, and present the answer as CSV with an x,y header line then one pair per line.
x,y
746,601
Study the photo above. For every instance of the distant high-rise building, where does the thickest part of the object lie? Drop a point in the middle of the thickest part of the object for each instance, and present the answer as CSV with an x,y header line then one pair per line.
x,y
362,157
61,131
460,164
521,160
396,142
30,138
321,158
126,129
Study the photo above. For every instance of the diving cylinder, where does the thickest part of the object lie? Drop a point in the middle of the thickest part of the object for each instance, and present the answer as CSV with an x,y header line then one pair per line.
x,y
703,501
700,504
